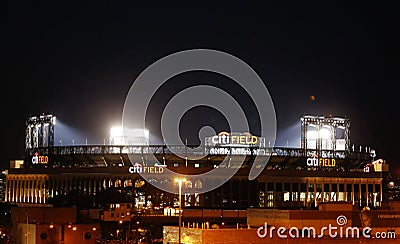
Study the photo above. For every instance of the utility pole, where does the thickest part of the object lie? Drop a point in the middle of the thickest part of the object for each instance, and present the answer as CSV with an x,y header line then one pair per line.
x,y
27,230
180,181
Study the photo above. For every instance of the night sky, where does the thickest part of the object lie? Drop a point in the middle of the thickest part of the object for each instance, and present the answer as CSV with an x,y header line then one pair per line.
x,y
78,62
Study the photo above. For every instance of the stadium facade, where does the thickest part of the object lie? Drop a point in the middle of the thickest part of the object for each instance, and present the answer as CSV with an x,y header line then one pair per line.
x,y
325,169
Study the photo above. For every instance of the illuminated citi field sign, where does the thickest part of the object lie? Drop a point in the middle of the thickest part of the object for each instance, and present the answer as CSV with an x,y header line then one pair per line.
x,y
314,161
235,139
39,159
235,143
138,168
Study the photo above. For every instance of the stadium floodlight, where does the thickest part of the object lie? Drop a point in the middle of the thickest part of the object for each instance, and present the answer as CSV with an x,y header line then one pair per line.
x,y
312,134
325,133
127,136
116,131
117,135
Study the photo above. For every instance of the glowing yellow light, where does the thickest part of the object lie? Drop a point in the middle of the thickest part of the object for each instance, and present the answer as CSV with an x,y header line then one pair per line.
x,y
74,228
51,226
180,180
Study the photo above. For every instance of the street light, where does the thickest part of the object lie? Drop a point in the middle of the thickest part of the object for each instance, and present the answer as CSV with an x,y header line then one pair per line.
x,y
180,180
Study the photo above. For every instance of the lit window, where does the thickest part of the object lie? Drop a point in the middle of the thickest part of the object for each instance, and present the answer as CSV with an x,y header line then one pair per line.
x,y
198,184
188,184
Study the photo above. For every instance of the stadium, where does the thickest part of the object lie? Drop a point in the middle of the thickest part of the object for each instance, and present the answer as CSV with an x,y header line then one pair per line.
x,y
109,178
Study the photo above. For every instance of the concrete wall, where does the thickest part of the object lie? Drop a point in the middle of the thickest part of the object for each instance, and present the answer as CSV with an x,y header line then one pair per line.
x,y
250,236
67,234
231,236
295,218
25,234
46,215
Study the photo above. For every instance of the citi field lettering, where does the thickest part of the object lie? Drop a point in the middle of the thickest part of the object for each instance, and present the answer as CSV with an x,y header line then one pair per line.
x,y
321,162
138,168
226,138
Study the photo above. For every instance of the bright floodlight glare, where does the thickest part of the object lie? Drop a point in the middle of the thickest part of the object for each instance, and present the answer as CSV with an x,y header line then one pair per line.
x,y
128,136
324,133
116,131
117,135
312,134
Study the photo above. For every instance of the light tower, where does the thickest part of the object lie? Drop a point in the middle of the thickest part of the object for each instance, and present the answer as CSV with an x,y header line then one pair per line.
x,y
325,133
40,131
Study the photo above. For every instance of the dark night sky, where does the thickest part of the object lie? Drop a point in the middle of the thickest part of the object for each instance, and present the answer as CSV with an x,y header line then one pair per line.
x,y
78,61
